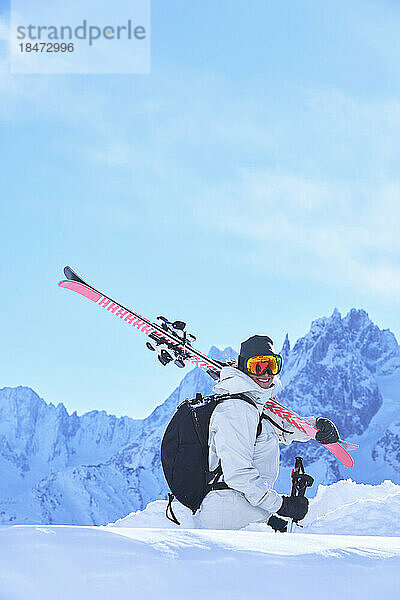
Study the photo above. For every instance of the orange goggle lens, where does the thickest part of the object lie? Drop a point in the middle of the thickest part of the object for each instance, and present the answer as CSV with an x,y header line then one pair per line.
x,y
258,365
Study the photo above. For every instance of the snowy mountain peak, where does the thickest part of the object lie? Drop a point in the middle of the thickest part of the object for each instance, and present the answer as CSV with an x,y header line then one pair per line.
x,y
285,350
378,347
353,334
36,436
222,355
357,318
331,370
336,314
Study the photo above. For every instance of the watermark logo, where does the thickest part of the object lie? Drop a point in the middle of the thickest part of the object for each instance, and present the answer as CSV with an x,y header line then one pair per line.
x,y
90,33
56,37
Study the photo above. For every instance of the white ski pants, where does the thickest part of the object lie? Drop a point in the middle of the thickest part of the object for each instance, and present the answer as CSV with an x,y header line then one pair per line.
x,y
228,509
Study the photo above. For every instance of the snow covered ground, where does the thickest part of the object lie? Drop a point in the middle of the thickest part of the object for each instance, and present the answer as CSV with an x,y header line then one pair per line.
x,y
144,556
344,507
92,563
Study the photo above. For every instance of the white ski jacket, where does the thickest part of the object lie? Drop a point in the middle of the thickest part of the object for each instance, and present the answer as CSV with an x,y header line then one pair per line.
x,y
250,465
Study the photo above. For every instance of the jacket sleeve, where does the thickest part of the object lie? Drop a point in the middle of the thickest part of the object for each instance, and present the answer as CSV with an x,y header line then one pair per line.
x,y
233,428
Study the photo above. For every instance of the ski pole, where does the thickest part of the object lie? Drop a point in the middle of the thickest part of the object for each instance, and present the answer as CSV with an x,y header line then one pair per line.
x,y
300,482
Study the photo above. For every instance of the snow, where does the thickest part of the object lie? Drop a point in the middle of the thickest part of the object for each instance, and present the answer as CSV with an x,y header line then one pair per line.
x,y
348,547
350,496
95,563
154,516
344,507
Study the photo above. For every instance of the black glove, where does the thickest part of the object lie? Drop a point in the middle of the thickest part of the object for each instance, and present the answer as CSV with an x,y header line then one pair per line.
x,y
277,524
295,507
327,432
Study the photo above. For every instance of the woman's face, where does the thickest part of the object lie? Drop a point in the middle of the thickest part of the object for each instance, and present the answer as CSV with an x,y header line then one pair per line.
x,y
264,381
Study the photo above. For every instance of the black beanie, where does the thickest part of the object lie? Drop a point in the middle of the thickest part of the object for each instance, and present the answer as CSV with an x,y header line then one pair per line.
x,y
256,345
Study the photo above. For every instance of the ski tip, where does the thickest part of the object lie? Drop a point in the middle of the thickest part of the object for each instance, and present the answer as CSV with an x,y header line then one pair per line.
x,y
72,276
349,446
344,457
341,454
68,272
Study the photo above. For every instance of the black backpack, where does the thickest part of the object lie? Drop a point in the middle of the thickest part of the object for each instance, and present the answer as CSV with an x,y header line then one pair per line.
x,y
184,452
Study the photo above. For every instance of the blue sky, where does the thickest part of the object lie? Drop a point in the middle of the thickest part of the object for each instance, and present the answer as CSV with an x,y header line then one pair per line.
x,y
249,184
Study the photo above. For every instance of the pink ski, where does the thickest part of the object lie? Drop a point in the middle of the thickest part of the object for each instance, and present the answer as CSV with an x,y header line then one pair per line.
x,y
294,419
142,324
185,351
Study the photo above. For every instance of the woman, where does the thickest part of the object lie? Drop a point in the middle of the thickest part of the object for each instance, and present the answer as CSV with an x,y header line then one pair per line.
x,y
250,462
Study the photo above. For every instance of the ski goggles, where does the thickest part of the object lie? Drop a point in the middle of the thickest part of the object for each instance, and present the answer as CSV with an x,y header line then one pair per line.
x,y
258,365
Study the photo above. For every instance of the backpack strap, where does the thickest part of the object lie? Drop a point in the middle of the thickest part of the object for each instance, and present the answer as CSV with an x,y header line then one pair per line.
x,y
220,397
223,397
268,418
169,511
214,484
263,415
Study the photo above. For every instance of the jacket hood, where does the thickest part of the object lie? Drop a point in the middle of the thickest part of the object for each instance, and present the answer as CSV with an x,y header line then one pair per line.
x,y
233,381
